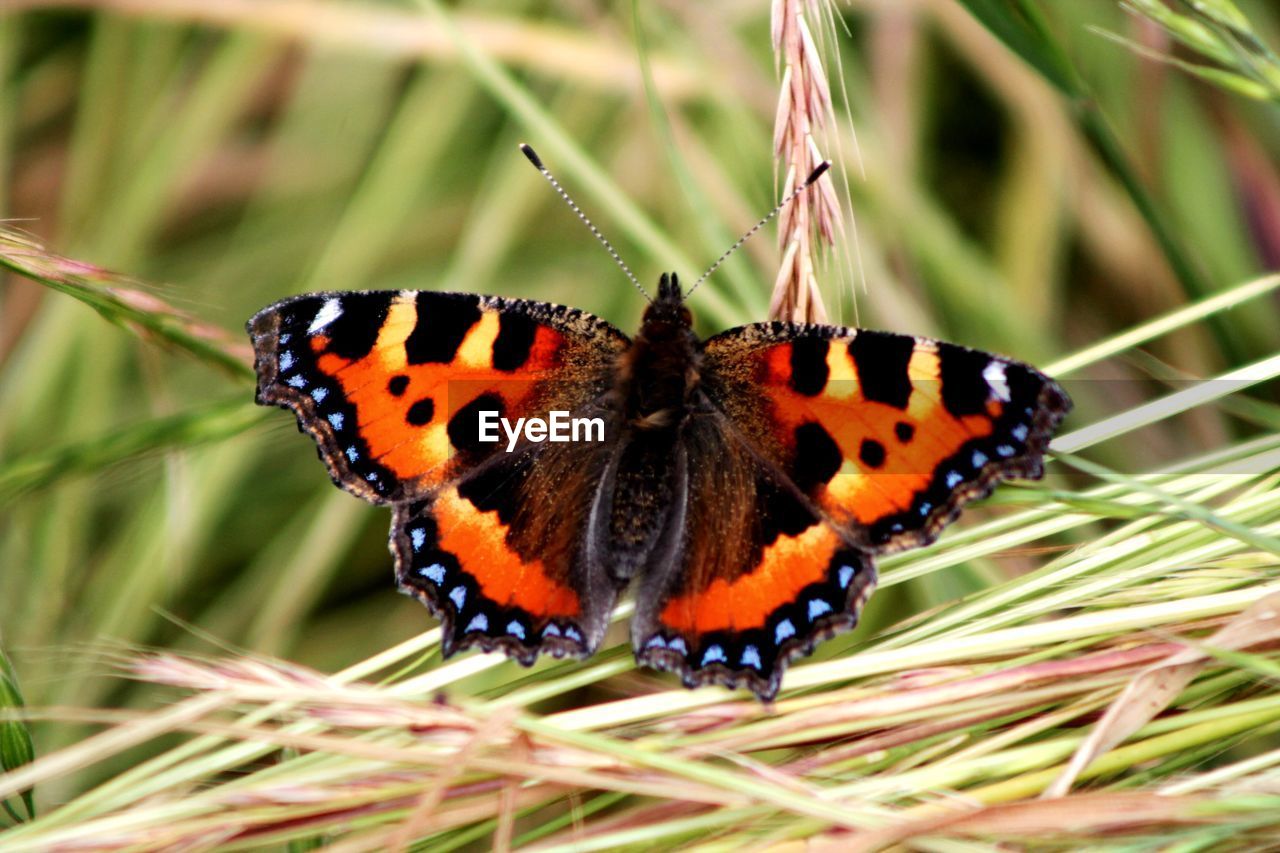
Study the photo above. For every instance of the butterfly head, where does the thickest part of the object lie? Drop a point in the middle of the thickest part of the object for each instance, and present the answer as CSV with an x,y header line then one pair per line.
x,y
668,311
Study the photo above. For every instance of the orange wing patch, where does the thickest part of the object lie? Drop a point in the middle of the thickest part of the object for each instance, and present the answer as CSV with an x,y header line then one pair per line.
x,y
406,405
503,577
455,555
887,452
786,568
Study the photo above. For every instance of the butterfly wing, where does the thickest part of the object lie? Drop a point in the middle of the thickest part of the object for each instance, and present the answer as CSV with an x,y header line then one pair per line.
x,y
888,435
830,445
391,386
759,578
502,554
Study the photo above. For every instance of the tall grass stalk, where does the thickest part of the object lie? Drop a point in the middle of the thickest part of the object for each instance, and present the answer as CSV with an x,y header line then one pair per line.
x,y
804,109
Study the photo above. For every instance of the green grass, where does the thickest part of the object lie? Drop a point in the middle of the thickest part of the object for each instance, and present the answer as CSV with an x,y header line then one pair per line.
x,y
204,645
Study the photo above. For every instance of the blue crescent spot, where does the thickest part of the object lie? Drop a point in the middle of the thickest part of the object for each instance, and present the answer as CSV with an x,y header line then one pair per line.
x,y
319,394
677,645
433,572
714,654
551,630
926,508
297,381
458,595
656,642
751,657
845,575
1005,450
1019,432
954,478
479,623
979,459
337,420
418,536
515,629
573,634
286,361
284,339
784,630
352,453
817,607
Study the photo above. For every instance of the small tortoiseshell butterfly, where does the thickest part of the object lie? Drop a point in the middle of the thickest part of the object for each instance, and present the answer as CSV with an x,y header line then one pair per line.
x,y
746,483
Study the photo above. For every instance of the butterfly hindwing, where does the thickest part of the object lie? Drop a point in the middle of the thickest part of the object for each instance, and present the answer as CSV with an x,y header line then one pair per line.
x,y
760,577
390,383
503,565
888,435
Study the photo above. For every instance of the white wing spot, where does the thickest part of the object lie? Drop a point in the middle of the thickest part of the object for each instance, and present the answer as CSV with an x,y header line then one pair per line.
x,y
329,311
995,376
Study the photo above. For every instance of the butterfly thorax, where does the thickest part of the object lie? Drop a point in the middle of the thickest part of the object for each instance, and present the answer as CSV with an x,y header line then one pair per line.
x,y
660,372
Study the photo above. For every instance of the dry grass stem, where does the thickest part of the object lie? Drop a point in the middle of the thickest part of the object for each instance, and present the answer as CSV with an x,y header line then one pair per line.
x,y
1159,684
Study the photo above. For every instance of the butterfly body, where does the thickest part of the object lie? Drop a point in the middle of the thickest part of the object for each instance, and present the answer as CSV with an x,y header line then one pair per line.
x,y
743,484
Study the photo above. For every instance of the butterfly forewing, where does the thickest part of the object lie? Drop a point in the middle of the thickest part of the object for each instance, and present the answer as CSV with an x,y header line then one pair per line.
x,y
390,383
888,435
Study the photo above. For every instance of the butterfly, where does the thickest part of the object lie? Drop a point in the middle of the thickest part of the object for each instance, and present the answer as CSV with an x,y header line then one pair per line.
x,y
743,484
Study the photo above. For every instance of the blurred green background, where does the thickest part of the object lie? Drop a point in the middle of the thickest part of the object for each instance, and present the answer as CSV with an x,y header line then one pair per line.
x,y
229,154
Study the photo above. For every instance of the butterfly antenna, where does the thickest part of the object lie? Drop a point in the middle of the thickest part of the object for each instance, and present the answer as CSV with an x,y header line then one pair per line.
x,y
813,176
613,253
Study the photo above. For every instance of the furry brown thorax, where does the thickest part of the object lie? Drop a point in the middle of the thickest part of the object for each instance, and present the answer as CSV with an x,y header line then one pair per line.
x,y
660,370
